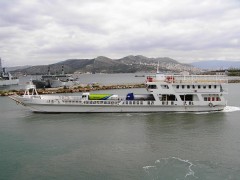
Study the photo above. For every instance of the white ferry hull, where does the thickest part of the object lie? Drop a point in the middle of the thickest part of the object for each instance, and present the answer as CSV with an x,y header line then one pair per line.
x,y
43,106
118,109
9,82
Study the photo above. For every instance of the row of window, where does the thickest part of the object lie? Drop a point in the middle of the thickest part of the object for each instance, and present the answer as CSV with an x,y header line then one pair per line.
x,y
99,102
197,86
165,101
183,86
133,102
93,102
212,99
172,103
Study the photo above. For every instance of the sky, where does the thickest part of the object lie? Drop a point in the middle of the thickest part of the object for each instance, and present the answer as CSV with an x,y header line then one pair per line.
x,y
34,32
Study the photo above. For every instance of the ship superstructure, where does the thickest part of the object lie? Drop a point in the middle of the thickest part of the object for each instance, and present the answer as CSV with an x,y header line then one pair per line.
x,y
55,80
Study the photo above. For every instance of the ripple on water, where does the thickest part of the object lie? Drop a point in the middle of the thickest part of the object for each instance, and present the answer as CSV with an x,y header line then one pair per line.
x,y
177,168
170,168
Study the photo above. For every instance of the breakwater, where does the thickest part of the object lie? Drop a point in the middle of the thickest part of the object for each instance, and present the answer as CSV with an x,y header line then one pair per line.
x,y
73,89
234,81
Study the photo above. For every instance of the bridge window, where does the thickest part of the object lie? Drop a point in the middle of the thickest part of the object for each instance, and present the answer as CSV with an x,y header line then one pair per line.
x,y
165,86
168,97
153,86
187,97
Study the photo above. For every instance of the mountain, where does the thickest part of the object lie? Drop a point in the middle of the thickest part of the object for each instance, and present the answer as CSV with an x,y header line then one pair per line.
x,y
143,63
70,66
8,69
101,64
216,64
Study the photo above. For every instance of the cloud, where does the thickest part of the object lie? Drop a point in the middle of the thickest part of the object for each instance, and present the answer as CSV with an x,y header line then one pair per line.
x,y
43,32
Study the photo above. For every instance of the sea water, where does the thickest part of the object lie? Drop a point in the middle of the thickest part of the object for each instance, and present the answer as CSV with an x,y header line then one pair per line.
x,y
120,145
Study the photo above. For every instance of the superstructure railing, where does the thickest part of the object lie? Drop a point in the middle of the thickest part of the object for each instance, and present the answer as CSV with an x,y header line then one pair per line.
x,y
190,79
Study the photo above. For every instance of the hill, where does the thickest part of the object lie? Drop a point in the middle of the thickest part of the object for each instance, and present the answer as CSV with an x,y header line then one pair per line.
x,y
101,64
9,69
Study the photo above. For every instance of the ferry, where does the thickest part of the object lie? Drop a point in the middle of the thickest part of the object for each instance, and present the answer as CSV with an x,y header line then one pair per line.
x,y
166,93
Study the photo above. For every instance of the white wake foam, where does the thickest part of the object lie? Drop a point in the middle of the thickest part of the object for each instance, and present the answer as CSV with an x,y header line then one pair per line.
x,y
147,167
231,109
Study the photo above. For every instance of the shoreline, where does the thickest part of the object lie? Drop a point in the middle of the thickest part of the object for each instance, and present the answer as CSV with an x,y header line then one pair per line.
x,y
73,89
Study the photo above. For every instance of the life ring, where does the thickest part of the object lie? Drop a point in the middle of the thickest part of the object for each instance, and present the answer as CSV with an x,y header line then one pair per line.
x,y
210,104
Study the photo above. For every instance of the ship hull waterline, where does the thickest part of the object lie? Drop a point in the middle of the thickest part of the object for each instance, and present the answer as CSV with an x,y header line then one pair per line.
x,y
46,108
9,82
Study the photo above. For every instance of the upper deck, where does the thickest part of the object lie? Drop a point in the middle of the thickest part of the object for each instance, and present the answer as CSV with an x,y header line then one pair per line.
x,y
188,79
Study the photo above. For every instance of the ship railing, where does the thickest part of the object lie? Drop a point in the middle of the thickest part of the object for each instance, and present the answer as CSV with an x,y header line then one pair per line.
x,y
192,79
50,97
